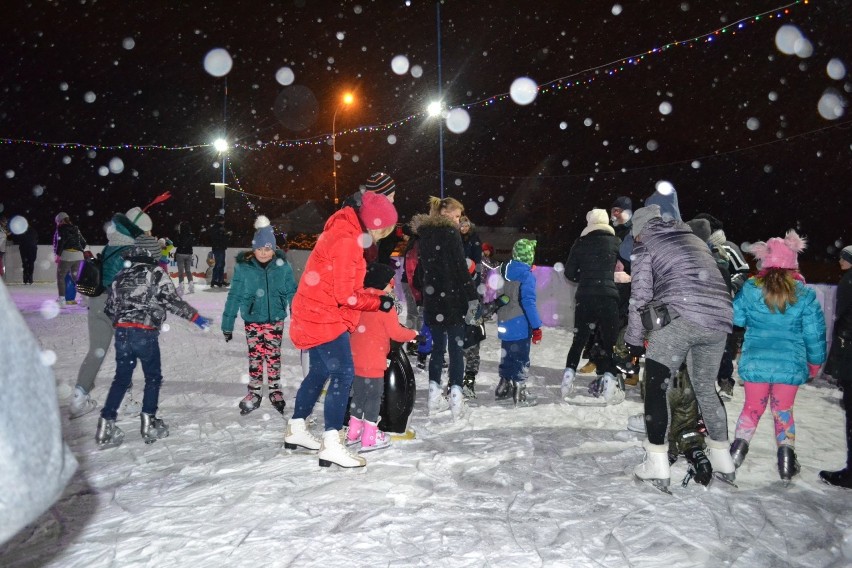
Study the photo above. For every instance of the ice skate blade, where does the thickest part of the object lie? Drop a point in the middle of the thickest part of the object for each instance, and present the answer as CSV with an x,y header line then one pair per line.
x,y
327,463
661,485
723,477
289,446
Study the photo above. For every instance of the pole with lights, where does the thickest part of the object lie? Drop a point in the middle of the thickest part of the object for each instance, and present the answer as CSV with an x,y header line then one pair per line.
x,y
347,100
221,146
439,107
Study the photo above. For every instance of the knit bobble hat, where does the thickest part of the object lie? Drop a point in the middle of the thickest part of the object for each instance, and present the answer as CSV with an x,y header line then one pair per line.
x,y
846,254
380,182
597,220
140,219
377,212
779,253
61,217
378,275
264,236
524,251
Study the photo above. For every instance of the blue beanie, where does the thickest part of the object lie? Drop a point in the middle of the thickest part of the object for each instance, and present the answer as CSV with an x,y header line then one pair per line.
x,y
264,236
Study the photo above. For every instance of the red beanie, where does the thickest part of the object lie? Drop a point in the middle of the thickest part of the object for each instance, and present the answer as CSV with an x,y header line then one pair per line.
x,y
377,212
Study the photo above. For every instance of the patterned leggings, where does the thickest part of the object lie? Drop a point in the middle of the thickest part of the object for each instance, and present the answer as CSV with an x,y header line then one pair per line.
x,y
780,399
264,344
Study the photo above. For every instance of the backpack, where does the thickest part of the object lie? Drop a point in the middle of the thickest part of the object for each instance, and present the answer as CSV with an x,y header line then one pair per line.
x,y
90,275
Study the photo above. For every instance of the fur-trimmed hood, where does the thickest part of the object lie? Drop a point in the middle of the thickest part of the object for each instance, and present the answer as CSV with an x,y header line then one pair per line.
x,y
425,220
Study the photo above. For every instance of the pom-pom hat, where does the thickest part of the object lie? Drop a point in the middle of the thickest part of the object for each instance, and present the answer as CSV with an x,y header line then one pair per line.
x,y
778,252
139,218
264,236
377,212
62,216
846,254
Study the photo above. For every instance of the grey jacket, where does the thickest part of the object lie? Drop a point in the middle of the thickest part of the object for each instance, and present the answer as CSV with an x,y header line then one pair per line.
x,y
671,264
142,293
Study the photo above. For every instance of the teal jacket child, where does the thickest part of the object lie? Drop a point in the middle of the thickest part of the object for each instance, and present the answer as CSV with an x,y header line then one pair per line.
x,y
259,294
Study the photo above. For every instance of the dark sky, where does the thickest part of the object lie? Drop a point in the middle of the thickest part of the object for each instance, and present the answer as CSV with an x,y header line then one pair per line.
x,y
744,139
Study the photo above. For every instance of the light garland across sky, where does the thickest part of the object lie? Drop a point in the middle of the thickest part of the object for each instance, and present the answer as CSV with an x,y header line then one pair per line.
x,y
555,86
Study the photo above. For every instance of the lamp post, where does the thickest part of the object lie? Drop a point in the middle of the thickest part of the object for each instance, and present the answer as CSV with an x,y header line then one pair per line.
x,y
221,146
345,101
436,108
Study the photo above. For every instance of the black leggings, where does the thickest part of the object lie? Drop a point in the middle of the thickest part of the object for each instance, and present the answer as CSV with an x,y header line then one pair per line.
x,y
599,314
367,398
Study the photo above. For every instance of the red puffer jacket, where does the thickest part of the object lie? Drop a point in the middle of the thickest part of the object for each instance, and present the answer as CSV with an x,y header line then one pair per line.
x,y
330,296
371,340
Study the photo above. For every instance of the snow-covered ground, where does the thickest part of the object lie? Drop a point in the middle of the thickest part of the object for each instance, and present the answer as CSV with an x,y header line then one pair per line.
x,y
543,486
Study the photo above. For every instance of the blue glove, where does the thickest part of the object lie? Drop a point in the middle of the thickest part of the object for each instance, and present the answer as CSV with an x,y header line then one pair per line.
x,y
201,322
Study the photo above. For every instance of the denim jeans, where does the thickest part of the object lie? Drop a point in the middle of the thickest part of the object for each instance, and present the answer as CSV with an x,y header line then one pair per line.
x,y
132,344
515,360
219,267
444,338
332,360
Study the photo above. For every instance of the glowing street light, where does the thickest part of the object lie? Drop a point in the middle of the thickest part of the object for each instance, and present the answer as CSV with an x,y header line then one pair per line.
x,y
221,146
436,109
346,100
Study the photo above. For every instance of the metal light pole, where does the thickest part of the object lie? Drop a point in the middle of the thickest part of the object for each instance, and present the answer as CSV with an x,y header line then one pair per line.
x,y
440,96
345,101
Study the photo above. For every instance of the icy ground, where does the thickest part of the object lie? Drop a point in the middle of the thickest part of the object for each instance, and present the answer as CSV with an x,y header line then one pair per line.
x,y
543,486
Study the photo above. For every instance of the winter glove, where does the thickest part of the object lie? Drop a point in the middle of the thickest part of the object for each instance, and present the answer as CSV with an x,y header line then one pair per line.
x,y
502,300
635,350
472,309
419,339
201,322
229,335
536,336
813,370
386,303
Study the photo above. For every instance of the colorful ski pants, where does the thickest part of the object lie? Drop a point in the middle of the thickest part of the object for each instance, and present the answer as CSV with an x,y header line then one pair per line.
x,y
264,345
780,399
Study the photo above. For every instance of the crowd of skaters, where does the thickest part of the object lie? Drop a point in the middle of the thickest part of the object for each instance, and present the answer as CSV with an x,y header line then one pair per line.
x,y
624,263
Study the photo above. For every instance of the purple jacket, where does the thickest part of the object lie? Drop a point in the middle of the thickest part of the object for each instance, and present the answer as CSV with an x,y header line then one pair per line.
x,y
673,265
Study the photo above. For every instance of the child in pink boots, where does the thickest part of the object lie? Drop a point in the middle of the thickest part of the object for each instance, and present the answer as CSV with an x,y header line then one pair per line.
x,y
370,345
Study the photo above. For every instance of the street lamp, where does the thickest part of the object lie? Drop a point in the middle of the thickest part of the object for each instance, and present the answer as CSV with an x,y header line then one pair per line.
x,y
221,146
436,109
346,100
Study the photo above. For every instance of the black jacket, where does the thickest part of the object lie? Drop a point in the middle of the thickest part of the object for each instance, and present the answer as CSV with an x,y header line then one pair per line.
x,y
447,285
219,237
68,237
184,240
591,264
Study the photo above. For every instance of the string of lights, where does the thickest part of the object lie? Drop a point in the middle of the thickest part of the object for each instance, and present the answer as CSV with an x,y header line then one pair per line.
x,y
555,86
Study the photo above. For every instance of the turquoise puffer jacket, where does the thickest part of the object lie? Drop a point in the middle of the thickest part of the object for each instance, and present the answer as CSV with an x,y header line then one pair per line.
x,y
778,347
258,294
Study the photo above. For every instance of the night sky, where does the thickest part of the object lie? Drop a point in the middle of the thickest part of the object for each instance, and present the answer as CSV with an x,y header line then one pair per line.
x,y
743,138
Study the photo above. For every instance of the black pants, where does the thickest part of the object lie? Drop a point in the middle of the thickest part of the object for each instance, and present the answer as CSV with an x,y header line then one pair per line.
x,y
596,313
28,258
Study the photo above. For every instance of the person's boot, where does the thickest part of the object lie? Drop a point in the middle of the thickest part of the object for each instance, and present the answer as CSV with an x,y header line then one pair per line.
x,y
276,398
503,390
191,288
469,385
568,382
739,450
700,469
181,290
372,438
588,368
636,423
250,402
108,435
353,433
655,469
298,436
152,428
421,361
332,451
437,400
81,403
611,390
457,402
788,465
841,478
523,397
721,460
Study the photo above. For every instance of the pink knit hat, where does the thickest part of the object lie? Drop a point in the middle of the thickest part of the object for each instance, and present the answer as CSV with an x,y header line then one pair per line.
x,y
377,212
778,252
